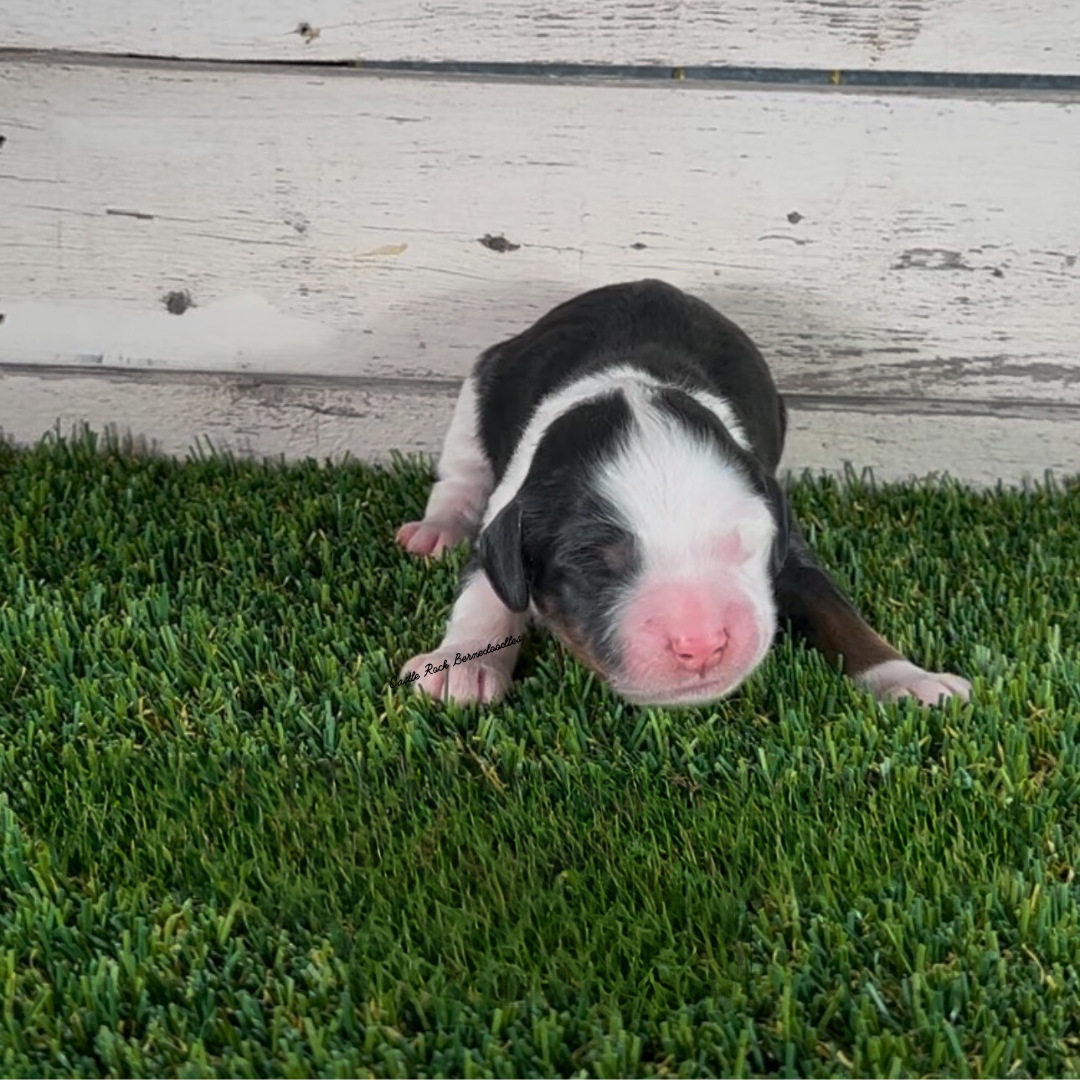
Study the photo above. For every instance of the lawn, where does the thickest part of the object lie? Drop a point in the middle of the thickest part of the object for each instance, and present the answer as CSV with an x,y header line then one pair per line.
x,y
228,847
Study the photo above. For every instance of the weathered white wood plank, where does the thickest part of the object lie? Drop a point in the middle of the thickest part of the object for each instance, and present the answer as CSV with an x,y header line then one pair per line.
x,y
323,223
298,419
920,35
171,414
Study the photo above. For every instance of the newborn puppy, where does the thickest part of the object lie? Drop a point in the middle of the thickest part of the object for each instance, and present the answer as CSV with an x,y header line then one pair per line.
x,y
618,461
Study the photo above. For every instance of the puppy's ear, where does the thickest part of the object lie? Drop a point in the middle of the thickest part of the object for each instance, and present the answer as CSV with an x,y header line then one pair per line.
x,y
782,513
503,559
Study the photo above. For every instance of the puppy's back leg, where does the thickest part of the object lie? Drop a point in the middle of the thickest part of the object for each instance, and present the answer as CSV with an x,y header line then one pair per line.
x,y
464,483
820,612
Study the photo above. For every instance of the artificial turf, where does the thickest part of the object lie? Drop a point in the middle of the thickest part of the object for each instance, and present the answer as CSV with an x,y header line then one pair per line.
x,y
229,848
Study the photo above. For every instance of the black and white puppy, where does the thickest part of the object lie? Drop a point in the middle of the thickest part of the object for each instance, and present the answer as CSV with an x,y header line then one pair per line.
x,y
617,461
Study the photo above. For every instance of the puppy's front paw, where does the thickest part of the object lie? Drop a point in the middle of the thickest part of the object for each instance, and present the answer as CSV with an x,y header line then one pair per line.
x,y
432,537
897,679
446,676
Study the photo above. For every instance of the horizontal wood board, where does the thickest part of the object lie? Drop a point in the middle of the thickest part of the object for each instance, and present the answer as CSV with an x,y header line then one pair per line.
x,y
910,35
180,413
901,245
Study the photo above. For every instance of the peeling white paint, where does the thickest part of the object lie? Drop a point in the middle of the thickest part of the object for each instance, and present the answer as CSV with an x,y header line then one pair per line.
x,y
237,332
300,420
888,245
896,249
916,35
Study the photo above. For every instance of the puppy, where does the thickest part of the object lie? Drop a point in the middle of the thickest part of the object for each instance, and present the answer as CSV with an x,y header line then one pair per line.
x,y
617,463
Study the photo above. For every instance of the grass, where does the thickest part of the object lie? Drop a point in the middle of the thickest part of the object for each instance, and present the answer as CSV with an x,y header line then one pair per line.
x,y
229,848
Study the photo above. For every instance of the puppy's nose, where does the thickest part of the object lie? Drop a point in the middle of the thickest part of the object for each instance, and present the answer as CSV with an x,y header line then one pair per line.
x,y
700,652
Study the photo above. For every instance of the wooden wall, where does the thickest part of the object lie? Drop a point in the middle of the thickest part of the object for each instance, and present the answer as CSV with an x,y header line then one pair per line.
x,y
200,235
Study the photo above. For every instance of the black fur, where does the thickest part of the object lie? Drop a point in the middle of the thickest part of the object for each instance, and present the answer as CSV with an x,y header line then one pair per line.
x,y
501,555
675,337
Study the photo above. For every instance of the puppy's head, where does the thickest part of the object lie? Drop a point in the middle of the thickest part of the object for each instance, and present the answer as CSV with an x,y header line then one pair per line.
x,y
648,540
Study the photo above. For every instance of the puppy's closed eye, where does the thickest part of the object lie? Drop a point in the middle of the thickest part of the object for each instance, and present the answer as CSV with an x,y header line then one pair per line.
x,y
619,555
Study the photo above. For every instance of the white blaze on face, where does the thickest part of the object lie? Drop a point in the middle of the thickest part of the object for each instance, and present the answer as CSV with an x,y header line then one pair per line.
x,y
701,615
633,384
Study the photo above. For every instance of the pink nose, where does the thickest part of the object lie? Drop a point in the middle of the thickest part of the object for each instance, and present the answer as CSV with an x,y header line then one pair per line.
x,y
700,652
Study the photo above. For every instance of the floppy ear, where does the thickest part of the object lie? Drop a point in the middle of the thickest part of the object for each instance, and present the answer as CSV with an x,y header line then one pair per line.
x,y
782,513
502,557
